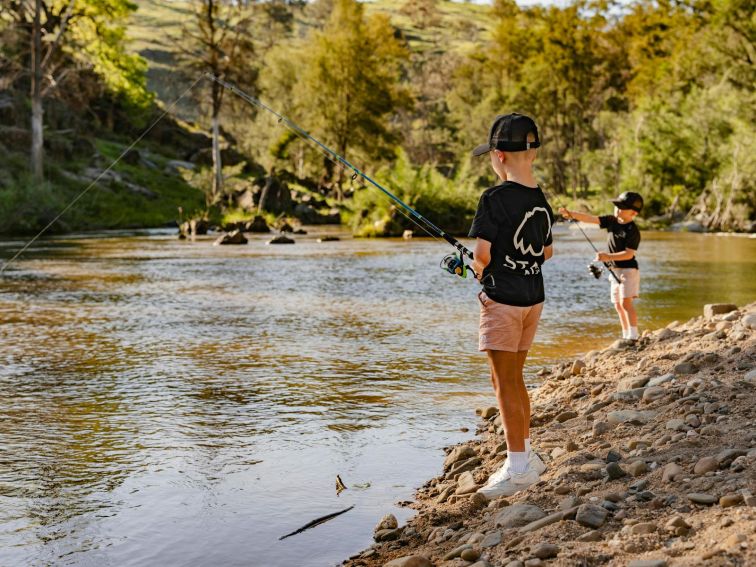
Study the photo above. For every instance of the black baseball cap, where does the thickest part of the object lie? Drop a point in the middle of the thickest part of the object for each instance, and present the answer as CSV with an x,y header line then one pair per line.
x,y
509,133
629,200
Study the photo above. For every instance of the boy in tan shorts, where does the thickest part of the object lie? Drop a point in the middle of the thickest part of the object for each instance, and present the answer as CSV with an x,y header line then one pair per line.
x,y
624,239
513,230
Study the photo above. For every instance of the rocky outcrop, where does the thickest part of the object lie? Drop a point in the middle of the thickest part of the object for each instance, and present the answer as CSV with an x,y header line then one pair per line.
x,y
662,474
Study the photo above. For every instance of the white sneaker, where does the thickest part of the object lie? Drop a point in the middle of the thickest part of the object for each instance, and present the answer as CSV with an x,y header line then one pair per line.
x,y
536,463
511,484
498,475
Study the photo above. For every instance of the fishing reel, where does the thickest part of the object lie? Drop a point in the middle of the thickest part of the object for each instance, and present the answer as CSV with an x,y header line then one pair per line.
x,y
454,264
595,270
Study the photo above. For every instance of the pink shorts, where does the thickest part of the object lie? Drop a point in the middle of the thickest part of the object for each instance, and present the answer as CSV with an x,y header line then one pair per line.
x,y
507,327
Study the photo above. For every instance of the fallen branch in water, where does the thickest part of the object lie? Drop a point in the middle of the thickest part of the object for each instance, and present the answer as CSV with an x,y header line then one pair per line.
x,y
316,522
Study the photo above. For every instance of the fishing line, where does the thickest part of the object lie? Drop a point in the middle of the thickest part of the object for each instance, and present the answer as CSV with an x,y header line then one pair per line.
x,y
414,216
593,269
363,185
102,174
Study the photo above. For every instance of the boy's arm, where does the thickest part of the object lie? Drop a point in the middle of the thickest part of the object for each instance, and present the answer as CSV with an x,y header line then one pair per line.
x,y
627,254
582,217
548,252
481,255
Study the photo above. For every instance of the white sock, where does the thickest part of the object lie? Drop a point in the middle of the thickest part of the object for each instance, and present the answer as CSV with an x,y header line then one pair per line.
x,y
633,333
527,445
518,461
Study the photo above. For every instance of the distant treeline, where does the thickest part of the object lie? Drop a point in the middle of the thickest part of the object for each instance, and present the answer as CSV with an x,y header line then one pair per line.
x,y
651,96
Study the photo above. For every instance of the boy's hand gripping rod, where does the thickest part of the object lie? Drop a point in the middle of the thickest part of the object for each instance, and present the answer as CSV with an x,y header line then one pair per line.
x,y
454,264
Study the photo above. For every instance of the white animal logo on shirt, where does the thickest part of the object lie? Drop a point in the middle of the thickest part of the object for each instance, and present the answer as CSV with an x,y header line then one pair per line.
x,y
527,230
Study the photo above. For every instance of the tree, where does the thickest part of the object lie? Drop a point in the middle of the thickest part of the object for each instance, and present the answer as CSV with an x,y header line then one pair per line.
x,y
63,41
219,41
351,84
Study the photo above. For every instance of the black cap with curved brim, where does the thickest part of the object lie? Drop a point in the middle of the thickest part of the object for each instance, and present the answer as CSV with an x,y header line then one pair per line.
x,y
509,133
629,200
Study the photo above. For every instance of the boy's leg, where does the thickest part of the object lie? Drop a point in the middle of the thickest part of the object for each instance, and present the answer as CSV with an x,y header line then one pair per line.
x,y
630,313
506,378
524,397
622,316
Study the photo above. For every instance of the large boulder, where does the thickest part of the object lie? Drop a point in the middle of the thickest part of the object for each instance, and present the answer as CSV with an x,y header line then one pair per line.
x,y
257,225
712,309
233,237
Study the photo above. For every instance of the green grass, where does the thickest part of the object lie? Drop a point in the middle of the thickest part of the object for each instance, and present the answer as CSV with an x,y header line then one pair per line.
x,y
26,206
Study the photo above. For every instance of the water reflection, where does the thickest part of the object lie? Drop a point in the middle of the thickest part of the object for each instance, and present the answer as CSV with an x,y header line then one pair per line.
x,y
178,403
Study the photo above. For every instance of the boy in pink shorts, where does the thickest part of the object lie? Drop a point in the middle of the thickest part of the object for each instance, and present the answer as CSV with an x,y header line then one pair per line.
x,y
513,230
624,239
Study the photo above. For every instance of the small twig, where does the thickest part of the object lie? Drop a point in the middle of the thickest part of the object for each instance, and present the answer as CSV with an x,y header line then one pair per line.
x,y
316,522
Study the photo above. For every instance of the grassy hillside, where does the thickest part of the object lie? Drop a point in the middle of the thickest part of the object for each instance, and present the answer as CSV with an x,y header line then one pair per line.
x,y
156,27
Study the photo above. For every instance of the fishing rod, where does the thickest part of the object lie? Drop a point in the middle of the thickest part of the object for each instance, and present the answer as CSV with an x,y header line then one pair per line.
x,y
452,263
595,270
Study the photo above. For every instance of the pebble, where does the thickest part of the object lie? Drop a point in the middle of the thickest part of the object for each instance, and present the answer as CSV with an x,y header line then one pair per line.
x,y
654,393
685,368
470,555
535,562
489,412
591,516
566,415
410,561
593,535
670,471
629,416
730,500
659,380
675,424
706,464
466,483
515,563
637,468
643,528
460,453
388,522
613,457
491,540
478,500
678,526
615,471
600,427
457,551
545,550
518,515
647,563
701,498
577,367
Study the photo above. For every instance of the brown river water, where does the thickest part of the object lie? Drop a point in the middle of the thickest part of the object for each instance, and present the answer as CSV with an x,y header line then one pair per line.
x,y
175,403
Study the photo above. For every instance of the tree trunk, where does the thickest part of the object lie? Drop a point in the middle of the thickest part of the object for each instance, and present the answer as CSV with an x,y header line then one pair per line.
x,y
37,121
266,188
217,164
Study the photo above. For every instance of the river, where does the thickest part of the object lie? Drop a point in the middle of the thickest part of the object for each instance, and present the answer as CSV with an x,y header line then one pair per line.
x,y
166,402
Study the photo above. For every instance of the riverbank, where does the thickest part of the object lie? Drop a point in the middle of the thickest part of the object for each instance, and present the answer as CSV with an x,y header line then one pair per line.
x,y
650,449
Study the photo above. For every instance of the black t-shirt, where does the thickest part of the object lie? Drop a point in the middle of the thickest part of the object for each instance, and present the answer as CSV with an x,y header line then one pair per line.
x,y
517,221
621,237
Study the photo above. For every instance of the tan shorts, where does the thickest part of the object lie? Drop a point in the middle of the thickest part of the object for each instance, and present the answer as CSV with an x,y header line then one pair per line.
x,y
630,286
507,327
